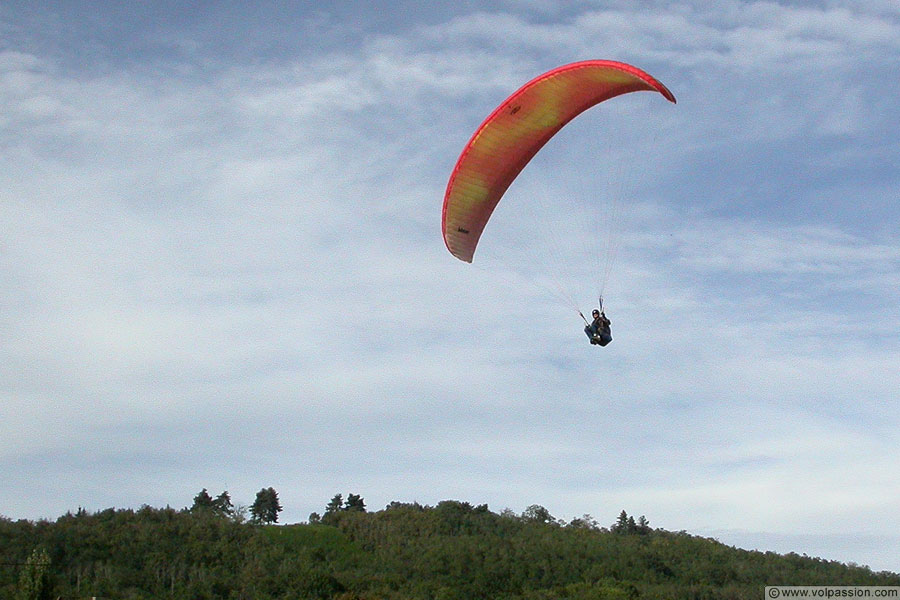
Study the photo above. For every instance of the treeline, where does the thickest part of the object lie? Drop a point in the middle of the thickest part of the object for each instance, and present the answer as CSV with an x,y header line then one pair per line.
x,y
453,550
264,509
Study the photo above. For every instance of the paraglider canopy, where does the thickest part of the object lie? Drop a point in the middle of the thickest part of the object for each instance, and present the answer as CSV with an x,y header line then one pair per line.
x,y
517,129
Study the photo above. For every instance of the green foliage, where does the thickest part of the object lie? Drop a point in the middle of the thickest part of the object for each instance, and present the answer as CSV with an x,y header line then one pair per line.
x,y
266,507
336,504
537,514
626,524
34,582
354,503
453,550
202,501
220,505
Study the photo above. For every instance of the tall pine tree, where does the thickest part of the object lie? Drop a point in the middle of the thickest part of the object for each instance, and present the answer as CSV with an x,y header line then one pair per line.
x,y
266,507
355,503
202,501
336,504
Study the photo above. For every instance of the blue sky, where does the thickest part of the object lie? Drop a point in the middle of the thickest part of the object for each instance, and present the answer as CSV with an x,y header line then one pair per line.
x,y
222,265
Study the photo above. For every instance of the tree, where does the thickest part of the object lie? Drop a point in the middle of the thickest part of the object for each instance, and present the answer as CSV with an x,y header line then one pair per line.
x,y
632,526
626,524
202,501
537,514
222,505
34,582
355,503
336,504
239,514
266,507
643,525
586,521
621,524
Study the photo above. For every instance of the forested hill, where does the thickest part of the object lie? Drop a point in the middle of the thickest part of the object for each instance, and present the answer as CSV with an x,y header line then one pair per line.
x,y
450,551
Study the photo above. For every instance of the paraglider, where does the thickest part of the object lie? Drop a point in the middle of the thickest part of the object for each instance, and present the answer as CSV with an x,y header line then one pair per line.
x,y
516,131
598,330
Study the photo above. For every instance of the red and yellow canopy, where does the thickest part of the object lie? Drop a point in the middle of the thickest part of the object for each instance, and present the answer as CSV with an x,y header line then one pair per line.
x,y
516,131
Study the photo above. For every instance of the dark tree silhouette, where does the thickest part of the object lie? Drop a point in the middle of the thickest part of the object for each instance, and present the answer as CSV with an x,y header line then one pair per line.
x,y
266,507
202,501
